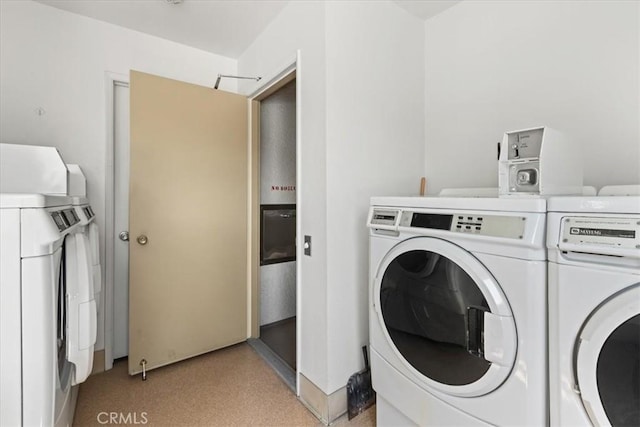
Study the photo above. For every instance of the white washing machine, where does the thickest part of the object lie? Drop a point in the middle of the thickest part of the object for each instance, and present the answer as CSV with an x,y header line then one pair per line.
x,y
48,315
77,189
89,230
594,310
458,311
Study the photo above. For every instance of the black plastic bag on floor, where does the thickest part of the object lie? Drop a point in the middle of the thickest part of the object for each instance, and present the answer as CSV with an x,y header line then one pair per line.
x,y
360,394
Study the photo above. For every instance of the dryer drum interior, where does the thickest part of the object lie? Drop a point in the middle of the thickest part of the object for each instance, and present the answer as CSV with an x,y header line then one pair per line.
x,y
432,310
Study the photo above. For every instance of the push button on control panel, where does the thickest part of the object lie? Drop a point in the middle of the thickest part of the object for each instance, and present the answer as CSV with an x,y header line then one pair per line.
x,y
505,226
468,224
490,225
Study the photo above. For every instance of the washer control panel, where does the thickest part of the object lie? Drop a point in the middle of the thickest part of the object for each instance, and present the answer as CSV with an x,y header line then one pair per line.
x,y
88,211
64,218
595,232
383,217
60,221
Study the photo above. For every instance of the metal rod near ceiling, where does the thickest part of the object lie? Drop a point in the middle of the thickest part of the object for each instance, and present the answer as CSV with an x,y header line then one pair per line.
x,y
220,76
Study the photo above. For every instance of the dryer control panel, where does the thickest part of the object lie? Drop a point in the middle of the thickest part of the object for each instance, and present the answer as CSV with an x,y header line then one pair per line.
x,y
485,225
394,220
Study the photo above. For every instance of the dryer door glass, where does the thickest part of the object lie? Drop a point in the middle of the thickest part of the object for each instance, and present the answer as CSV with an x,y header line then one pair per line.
x,y
618,374
432,309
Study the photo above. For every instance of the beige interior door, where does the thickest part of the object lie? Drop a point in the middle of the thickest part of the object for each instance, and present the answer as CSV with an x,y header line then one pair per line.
x,y
187,220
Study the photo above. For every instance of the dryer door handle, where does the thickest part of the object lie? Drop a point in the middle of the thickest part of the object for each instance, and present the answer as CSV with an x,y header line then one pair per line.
x,y
490,336
500,340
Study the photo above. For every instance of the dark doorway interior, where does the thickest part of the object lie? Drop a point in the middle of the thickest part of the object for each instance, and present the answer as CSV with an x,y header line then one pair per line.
x,y
280,336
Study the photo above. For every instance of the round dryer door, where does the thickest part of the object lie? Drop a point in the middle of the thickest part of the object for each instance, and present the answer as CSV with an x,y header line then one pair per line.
x,y
445,316
608,361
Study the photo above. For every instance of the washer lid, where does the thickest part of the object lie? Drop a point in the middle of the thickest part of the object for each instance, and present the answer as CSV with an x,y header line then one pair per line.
x,y
445,316
608,360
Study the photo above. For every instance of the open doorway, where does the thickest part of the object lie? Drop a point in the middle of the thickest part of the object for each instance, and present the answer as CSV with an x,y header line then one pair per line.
x,y
277,275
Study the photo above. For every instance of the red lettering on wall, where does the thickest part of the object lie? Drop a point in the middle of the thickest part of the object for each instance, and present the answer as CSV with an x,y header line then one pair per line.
x,y
283,188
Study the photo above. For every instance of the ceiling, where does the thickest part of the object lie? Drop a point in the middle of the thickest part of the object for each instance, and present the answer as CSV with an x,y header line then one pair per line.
x,y
223,27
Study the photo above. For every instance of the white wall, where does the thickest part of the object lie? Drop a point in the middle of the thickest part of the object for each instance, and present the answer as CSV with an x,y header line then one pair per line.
x,y
497,66
57,61
362,85
375,147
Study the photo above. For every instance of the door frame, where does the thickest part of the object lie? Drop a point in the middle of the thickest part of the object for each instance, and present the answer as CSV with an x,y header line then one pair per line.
x,y
111,81
290,70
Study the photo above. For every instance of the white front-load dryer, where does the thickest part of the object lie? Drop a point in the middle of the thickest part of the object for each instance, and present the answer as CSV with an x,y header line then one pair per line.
x,y
47,318
458,311
594,310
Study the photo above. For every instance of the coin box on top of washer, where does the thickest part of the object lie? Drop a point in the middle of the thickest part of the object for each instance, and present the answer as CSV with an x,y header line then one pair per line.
x,y
539,162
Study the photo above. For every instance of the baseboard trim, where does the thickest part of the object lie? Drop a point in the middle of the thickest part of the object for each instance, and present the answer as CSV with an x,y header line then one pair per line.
x,y
327,408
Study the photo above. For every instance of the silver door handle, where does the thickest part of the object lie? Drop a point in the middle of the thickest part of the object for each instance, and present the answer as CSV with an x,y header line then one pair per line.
x,y
142,239
124,236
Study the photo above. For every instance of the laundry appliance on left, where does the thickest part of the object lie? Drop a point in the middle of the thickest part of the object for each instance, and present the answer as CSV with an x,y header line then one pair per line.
x,y
48,311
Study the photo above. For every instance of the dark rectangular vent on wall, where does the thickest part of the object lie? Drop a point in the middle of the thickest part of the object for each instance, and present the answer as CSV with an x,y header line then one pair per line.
x,y
277,233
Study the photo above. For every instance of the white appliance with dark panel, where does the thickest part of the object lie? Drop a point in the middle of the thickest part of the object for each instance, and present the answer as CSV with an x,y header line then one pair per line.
x,y
458,310
594,310
48,314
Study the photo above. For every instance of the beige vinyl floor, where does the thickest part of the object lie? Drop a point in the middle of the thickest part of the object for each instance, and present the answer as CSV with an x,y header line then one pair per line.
x,y
228,387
